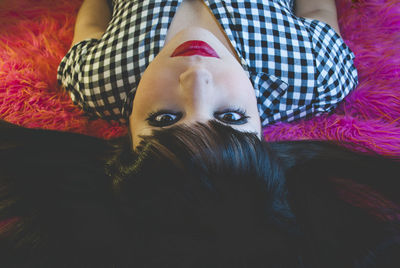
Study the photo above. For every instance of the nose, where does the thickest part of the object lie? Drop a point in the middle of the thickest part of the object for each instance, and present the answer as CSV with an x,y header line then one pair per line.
x,y
197,86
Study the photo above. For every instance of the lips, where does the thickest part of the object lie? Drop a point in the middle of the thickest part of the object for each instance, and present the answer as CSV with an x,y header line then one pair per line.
x,y
194,47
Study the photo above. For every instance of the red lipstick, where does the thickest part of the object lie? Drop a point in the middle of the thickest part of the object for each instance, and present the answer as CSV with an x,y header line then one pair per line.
x,y
195,47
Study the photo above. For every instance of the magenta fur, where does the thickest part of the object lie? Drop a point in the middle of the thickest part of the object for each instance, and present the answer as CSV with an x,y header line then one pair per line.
x,y
34,36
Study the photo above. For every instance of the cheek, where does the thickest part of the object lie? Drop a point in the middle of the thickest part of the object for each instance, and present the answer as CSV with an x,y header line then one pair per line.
x,y
238,85
155,90
155,85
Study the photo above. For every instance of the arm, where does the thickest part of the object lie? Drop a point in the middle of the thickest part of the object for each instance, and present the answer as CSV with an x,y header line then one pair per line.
x,y
323,10
92,20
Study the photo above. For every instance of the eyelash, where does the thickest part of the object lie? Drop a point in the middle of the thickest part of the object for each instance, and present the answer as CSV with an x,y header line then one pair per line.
x,y
153,115
234,110
237,110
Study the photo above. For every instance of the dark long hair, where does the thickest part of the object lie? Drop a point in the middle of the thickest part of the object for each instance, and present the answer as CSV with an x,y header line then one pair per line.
x,y
199,196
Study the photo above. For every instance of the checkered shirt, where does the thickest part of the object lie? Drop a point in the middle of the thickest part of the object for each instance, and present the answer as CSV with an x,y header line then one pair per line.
x,y
298,67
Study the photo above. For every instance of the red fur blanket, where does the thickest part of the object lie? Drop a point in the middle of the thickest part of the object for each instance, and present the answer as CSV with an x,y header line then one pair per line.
x,y
35,35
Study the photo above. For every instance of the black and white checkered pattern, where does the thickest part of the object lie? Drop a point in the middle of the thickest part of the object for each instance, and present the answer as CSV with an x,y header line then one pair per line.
x,y
298,66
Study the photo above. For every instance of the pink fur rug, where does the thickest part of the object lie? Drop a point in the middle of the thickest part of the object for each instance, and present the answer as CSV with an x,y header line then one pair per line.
x,y
35,35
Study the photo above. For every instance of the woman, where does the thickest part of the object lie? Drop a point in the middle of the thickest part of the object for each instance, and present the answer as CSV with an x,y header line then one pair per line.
x,y
68,200
247,64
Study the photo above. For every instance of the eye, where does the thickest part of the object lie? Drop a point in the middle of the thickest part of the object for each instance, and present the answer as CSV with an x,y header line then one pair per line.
x,y
163,118
232,117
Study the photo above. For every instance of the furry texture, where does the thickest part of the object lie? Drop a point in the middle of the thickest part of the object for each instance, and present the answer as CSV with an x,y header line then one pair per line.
x,y
35,35
370,115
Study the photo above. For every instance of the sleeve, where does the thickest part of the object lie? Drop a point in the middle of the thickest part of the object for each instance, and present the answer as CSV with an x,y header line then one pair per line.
x,y
336,73
70,74
286,4
100,74
89,72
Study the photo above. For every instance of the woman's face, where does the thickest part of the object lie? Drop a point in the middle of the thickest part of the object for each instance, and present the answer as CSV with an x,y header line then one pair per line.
x,y
192,83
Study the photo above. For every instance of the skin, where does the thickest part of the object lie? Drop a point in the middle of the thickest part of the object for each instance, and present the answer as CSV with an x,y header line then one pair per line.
x,y
194,88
